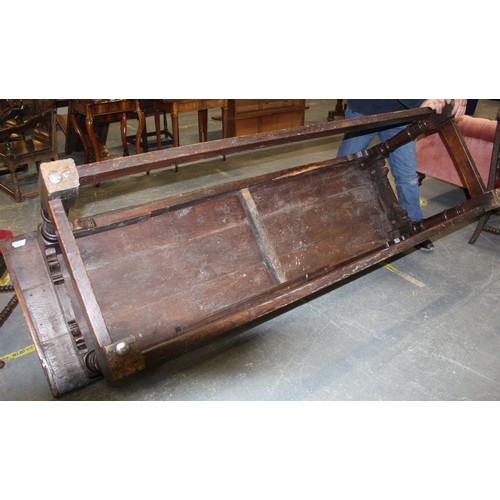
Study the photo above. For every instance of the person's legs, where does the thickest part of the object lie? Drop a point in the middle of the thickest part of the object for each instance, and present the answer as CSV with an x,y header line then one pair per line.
x,y
402,161
403,164
353,143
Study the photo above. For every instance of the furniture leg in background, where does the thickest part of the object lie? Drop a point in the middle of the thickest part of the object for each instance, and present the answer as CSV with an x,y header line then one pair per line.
x,y
176,106
104,111
339,111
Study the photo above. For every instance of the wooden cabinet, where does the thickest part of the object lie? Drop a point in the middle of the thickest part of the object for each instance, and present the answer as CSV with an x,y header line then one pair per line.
x,y
249,116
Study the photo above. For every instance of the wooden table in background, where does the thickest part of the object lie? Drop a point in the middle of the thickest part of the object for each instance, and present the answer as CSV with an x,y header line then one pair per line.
x,y
176,106
103,112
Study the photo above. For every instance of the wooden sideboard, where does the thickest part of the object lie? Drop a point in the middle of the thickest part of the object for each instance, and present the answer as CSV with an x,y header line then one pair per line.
x,y
249,116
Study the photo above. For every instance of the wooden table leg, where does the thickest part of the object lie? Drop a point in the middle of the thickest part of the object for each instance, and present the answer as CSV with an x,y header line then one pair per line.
x,y
203,125
339,110
89,122
157,128
79,133
123,128
224,125
141,131
175,127
224,122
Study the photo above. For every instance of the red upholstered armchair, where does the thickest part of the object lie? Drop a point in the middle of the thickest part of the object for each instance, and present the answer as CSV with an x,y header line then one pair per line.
x,y
482,137
433,159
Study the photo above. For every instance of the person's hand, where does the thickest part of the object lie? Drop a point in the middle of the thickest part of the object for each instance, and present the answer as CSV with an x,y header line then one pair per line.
x,y
435,104
438,105
459,107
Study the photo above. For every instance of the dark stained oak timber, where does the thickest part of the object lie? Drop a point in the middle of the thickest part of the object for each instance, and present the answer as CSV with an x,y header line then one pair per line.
x,y
110,169
493,181
462,158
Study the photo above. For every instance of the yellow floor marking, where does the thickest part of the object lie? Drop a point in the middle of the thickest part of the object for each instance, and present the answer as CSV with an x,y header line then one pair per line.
x,y
222,172
403,275
18,354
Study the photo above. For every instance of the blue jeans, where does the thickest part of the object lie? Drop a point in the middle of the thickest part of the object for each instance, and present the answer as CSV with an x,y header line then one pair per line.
x,y
402,162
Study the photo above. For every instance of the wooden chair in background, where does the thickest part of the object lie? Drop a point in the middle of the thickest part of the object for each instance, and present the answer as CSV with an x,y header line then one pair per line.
x,y
28,138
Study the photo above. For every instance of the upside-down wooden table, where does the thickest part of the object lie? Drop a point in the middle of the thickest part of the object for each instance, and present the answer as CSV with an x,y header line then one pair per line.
x,y
206,262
